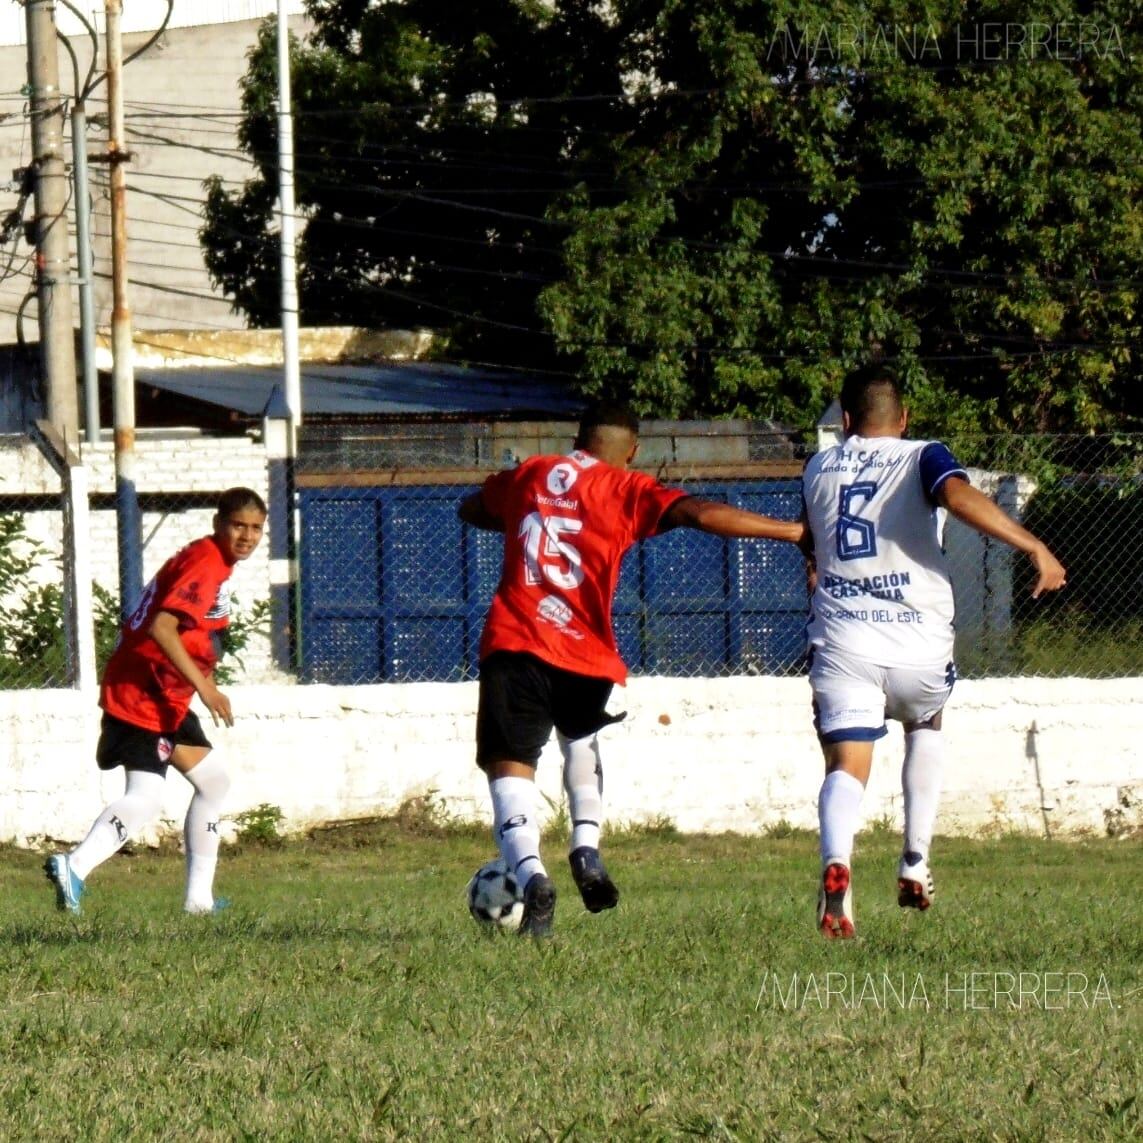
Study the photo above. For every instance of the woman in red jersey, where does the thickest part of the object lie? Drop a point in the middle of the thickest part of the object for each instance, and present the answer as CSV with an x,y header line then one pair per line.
x,y
548,656
166,655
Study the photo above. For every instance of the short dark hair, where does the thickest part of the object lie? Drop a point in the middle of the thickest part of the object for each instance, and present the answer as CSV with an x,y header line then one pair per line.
x,y
238,500
870,393
605,414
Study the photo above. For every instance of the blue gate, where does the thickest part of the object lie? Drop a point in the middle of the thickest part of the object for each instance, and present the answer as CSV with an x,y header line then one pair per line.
x,y
394,589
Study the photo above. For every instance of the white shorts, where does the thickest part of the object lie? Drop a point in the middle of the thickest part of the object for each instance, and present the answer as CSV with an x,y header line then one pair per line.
x,y
853,698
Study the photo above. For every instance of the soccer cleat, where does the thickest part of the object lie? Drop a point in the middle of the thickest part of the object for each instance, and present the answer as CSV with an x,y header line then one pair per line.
x,y
539,907
69,888
835,903
914,882
595,887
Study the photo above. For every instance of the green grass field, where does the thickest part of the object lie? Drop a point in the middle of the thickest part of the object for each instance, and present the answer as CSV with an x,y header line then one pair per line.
x,y
347,995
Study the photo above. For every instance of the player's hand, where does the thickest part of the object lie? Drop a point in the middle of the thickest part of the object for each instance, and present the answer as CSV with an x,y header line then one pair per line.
x,y
1052,575
217,703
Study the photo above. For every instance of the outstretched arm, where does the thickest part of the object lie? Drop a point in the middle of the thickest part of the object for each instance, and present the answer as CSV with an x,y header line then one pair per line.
x,y
472,511
977,511
725,520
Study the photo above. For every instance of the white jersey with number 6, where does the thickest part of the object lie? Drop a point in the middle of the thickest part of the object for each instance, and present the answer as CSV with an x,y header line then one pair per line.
x,y
883,592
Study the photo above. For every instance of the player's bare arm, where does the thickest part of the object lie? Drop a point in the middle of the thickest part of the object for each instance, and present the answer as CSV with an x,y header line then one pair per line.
x,y
472,511
976,510
164,630
726,520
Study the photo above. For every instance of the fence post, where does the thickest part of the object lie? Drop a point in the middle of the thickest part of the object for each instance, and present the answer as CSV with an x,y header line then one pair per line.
x,y
278,437
79,618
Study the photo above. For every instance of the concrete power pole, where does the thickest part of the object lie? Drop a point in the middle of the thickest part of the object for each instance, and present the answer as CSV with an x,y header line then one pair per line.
x,y
53,258
122,350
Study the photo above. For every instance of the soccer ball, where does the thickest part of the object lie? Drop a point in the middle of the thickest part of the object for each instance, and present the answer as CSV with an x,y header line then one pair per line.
x,y
495,896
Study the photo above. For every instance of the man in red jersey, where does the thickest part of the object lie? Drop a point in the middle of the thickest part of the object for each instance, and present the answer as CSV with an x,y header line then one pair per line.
x,y
548,656
166,655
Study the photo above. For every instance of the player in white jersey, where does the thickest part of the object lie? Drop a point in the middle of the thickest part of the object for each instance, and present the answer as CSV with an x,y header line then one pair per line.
x,y
881,622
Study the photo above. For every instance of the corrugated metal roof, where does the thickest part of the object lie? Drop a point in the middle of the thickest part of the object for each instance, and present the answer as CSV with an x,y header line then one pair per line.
x,y
381,390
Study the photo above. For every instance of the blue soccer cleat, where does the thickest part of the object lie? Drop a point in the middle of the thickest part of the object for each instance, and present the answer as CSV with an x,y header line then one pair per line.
x,y
69,888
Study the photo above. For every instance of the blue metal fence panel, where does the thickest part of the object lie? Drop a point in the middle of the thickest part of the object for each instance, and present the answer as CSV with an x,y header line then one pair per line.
x,y
394,588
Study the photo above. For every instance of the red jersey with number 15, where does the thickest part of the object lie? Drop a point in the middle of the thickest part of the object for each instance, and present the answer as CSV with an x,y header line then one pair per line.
x,y
568,520
140,684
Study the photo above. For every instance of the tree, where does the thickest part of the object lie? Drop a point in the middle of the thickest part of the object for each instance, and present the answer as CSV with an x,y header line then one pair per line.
x,y
811,183
430,148
713,207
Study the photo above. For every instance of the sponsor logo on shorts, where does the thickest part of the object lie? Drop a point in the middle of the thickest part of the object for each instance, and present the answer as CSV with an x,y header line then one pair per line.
x,y
166,747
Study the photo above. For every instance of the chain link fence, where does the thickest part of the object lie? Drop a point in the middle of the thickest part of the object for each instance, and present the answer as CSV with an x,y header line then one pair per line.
x,y
395,589
176,500
392,588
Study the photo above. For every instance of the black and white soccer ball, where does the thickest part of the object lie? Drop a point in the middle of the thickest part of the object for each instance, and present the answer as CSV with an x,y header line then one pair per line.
x,y
495,897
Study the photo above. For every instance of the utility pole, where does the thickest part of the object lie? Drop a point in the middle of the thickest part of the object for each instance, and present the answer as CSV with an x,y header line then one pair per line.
x,y
53,259
287,224
122,365
284,527
83,262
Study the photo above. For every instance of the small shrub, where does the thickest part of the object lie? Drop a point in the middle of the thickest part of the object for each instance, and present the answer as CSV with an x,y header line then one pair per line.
x,y
259,826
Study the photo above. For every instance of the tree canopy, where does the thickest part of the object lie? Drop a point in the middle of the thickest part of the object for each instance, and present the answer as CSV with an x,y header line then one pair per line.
x,y
710,207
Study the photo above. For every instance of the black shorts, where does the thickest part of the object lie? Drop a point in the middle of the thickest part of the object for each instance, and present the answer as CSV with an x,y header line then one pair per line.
x,y
123,744
522,698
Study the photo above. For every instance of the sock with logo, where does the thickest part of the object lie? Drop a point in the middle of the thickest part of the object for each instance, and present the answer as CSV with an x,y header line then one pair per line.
x,y
583,781
515,827
141,804
200,831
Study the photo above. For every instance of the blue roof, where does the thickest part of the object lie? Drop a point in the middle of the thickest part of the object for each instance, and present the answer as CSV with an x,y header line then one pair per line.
x,y
388,389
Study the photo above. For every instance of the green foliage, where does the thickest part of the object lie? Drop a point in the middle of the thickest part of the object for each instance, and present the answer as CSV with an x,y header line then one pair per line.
x,y
429,146
714,208
243,626
821,202
260,826
32,648
33,642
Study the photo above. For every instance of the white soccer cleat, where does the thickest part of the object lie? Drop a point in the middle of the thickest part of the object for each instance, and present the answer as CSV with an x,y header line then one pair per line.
x,y
835,903
914,882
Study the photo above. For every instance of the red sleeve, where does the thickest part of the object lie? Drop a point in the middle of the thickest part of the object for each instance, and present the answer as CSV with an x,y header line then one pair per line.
x,y
649,502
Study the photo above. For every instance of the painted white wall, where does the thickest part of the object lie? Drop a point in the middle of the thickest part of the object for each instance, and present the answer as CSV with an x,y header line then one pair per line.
x,y
1025,755
145,16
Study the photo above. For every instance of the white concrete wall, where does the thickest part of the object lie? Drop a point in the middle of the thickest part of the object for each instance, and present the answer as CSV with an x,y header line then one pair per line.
x,y
1025,755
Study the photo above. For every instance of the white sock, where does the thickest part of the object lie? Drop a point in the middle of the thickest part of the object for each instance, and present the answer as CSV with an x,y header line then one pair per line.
x,y
515,827
141,804
921,775
200,831
583,781
839,803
